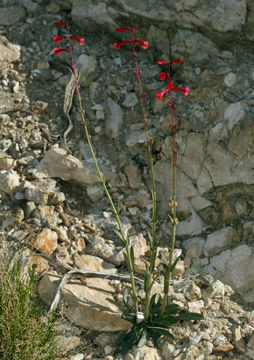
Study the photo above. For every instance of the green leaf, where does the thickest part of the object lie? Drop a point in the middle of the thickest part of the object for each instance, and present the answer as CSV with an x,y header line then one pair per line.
x,y
152,302
191,316
125,342
117,232
146,278
127,261
125,295
171,309
161,331
171,269
150,241
144,338
127,315
152,266
165,322
132,257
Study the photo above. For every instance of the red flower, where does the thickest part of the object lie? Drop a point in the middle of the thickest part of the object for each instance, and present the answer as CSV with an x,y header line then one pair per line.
x,y
162,75
79,40
176,61
60,24
171,87
125,28
58,38
161,62
144,44
58,51
118,45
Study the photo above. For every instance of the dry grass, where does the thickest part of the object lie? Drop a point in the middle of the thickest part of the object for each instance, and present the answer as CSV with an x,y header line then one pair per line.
x,y
25,334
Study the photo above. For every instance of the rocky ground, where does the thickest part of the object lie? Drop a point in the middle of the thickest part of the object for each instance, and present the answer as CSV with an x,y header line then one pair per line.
x,y
51,200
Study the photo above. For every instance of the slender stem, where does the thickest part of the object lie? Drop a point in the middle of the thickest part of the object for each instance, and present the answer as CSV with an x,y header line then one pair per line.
x,y
115,212
153,245
125,239
173,204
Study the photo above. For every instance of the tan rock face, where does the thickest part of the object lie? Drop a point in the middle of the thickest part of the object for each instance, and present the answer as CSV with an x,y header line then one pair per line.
x,y
91,306
57,163
93,263
8,51
133,175
46,241
6,161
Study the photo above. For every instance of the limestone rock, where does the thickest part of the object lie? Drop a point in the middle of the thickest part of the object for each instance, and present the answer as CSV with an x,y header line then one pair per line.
x,y
93,263
87,66
219,240
67,343
250,346
92,16
9,181
219,17
137,137
133,175
192,291
191,161
105,250
143,353
238,272
57,163
233,114
114,120
185,41
130,100
11,15
216,290
239,342
91,306
95,192
221,169
140,248
6,161
46,241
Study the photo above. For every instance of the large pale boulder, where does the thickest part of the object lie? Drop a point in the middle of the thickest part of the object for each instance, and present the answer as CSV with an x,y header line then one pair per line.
x,y
58,163
91,306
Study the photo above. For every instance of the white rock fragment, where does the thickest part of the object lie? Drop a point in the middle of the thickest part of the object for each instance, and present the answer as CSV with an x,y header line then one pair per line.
x,y
9,181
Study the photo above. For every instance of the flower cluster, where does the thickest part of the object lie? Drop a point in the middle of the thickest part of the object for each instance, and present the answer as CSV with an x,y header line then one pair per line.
x,y
171,86
57,39
144,44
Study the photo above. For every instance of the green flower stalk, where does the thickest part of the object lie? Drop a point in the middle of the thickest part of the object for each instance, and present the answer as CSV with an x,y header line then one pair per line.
x,y
173,203
129,254
149,278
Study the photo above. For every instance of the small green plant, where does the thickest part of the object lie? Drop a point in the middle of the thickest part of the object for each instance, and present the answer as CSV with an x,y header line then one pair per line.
x,y
152,317
24,333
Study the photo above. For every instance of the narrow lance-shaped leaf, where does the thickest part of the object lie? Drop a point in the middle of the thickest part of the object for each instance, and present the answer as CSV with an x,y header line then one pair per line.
x,y
146,277
171,269
117,232
150,241
127,260
132,257
191,316
144,338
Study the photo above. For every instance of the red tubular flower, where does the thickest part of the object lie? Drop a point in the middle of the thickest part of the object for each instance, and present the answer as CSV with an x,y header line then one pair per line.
x,y
79,40
118,45
176,61
144,44
162,75
58,51
161,62
171,87
58,38
60,24
125,28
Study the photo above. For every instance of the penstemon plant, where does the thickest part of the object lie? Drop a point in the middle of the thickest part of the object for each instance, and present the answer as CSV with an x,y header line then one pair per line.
x,y
152,317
